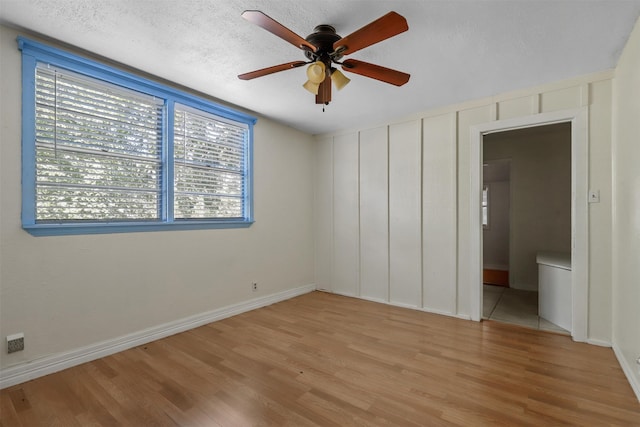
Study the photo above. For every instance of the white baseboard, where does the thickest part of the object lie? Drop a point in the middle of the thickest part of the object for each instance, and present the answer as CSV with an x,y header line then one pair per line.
x,y
37,368
446,313
374,299
628,371
401,305
599,343
344,294
378,300
463,317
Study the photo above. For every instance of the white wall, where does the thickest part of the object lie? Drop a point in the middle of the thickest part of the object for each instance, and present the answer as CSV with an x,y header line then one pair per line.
x,y
626,220
420,225
540,195
405,208
68,292
345,205
374,214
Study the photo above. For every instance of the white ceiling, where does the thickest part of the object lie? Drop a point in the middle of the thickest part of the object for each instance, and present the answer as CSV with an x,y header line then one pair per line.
x,y
454,50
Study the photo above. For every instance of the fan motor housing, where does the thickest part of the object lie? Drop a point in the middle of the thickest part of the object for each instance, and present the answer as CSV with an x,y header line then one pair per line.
x,y
323,38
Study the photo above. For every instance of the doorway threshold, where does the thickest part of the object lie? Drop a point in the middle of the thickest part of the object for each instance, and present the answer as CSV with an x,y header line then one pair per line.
x,y
517,307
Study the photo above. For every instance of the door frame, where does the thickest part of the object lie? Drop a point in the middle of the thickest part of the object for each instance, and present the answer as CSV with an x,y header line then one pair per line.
x,y
578,118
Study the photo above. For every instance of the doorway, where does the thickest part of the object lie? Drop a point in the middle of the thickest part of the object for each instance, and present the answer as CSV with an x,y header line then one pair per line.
x,y
526,209
577,120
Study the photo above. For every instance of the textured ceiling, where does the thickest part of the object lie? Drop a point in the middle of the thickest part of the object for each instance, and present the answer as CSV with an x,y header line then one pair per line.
x,y
454,50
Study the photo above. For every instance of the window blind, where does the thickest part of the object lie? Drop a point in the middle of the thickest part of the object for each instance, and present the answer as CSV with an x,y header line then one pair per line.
x,y
98,149
209,165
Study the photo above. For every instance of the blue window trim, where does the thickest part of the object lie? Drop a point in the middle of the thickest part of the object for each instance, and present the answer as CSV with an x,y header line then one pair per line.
x,y
33,53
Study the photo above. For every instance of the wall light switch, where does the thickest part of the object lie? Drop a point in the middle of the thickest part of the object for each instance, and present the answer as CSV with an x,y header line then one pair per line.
x,y
594,196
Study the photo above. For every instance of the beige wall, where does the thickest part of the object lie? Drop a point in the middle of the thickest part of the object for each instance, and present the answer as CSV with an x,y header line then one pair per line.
x,y
626,220
413,185
540,198
68,292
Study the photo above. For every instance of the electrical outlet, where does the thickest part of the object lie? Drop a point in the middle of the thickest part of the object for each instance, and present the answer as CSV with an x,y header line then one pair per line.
x,y
254,287
15,343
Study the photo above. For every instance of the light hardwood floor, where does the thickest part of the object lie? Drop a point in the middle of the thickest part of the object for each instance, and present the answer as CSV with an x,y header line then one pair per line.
x,y
323,359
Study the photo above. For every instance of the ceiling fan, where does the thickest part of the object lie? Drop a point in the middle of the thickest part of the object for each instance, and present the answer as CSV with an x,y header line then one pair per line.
x,y
324,47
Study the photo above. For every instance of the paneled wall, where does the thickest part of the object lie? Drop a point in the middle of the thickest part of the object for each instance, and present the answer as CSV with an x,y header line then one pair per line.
x,y
393,201
374,214
439,201
626,225
405,252
346,248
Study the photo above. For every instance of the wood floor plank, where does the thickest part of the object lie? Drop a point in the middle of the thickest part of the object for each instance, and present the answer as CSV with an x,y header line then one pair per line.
x,y
322,360
8,412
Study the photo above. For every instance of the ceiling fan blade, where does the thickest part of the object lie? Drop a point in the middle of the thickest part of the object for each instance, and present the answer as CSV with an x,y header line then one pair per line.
x,y
381,29
274,27
271,70
377,72
324,91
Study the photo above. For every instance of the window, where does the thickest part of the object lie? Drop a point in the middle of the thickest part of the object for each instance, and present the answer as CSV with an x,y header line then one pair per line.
x,y
97,150
208,166
106,151
485,206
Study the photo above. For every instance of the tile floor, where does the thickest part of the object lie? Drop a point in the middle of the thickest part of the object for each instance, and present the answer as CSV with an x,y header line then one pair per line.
x,y
515,306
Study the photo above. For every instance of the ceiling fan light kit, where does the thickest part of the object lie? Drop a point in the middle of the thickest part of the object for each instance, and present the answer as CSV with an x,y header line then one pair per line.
x,y
325,47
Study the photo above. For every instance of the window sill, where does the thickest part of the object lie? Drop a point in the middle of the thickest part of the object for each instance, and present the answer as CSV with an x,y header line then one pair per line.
x,y
128,227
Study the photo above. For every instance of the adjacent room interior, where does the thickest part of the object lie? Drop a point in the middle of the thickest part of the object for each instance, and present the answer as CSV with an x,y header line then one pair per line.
x,y
526,212
184,241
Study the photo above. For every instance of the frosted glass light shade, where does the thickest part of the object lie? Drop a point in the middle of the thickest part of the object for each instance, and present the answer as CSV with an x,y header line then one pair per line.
x,y
316,72
312,87
339,79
